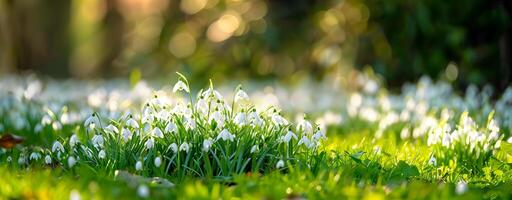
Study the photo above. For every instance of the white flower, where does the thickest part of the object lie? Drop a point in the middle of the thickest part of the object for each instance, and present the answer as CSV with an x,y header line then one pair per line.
x,y
174,147
241,97
21,160
218,118
91,120
9,159
74,195
211,93
57,146
278,120
127,134
102,154
71,161
202,106
143,191
494,136
48,159
289,135
305,126
254,149
509,140
112,128
240,119
56,125
304,140
432,161
150,143
138,166
35,156
132,123
179,86
255,119
190,123
171,128
73,140
225,135
46,120
97,141
158,161
319,135
493,126
207,144
184,147
461,187
157,132
280,164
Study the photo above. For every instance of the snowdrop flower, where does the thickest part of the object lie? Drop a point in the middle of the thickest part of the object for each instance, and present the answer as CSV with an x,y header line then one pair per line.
x,y
150,143
56,125
254,149
158,161
280,164
127,134
35,156
138,166
132,123
432,161
174,147
9,159
289,135
207,144
74,195
461,188
190,123
112,128
218,118
493,126
184,147
71,161
509,140
48,159
21,160
157,132
171,128
211,93
102,154
255,119
57,146
202,106
97,141
240,119
241,96
91,120
278,120
73,140
319,135
304,140
46,120
305,126
225,135
179,86
143,191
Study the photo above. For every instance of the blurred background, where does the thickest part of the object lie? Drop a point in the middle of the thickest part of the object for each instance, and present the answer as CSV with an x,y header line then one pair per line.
x,y
462,41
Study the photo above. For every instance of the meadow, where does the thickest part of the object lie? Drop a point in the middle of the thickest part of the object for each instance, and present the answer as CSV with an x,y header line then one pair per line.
x,y
129,140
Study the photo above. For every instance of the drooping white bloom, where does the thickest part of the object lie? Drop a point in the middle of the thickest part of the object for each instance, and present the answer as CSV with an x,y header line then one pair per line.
x,y
241,97
48,159
150,143
143,191
305,141
138,165
461,188
225,135
112,128
158,161
179,86
184,147
207,144
254,148
132,123
280,164
319,135
56,125
202,106
127,134
174,147
289,135
71,161
157,132
35,156
240,119
91,120
305,126
21,160
278,120
102,154
211,93
493,126
171,128
57,146
97,140
432,161
190,123
509,140
9,159
73,140
46,120
255,119
218,118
